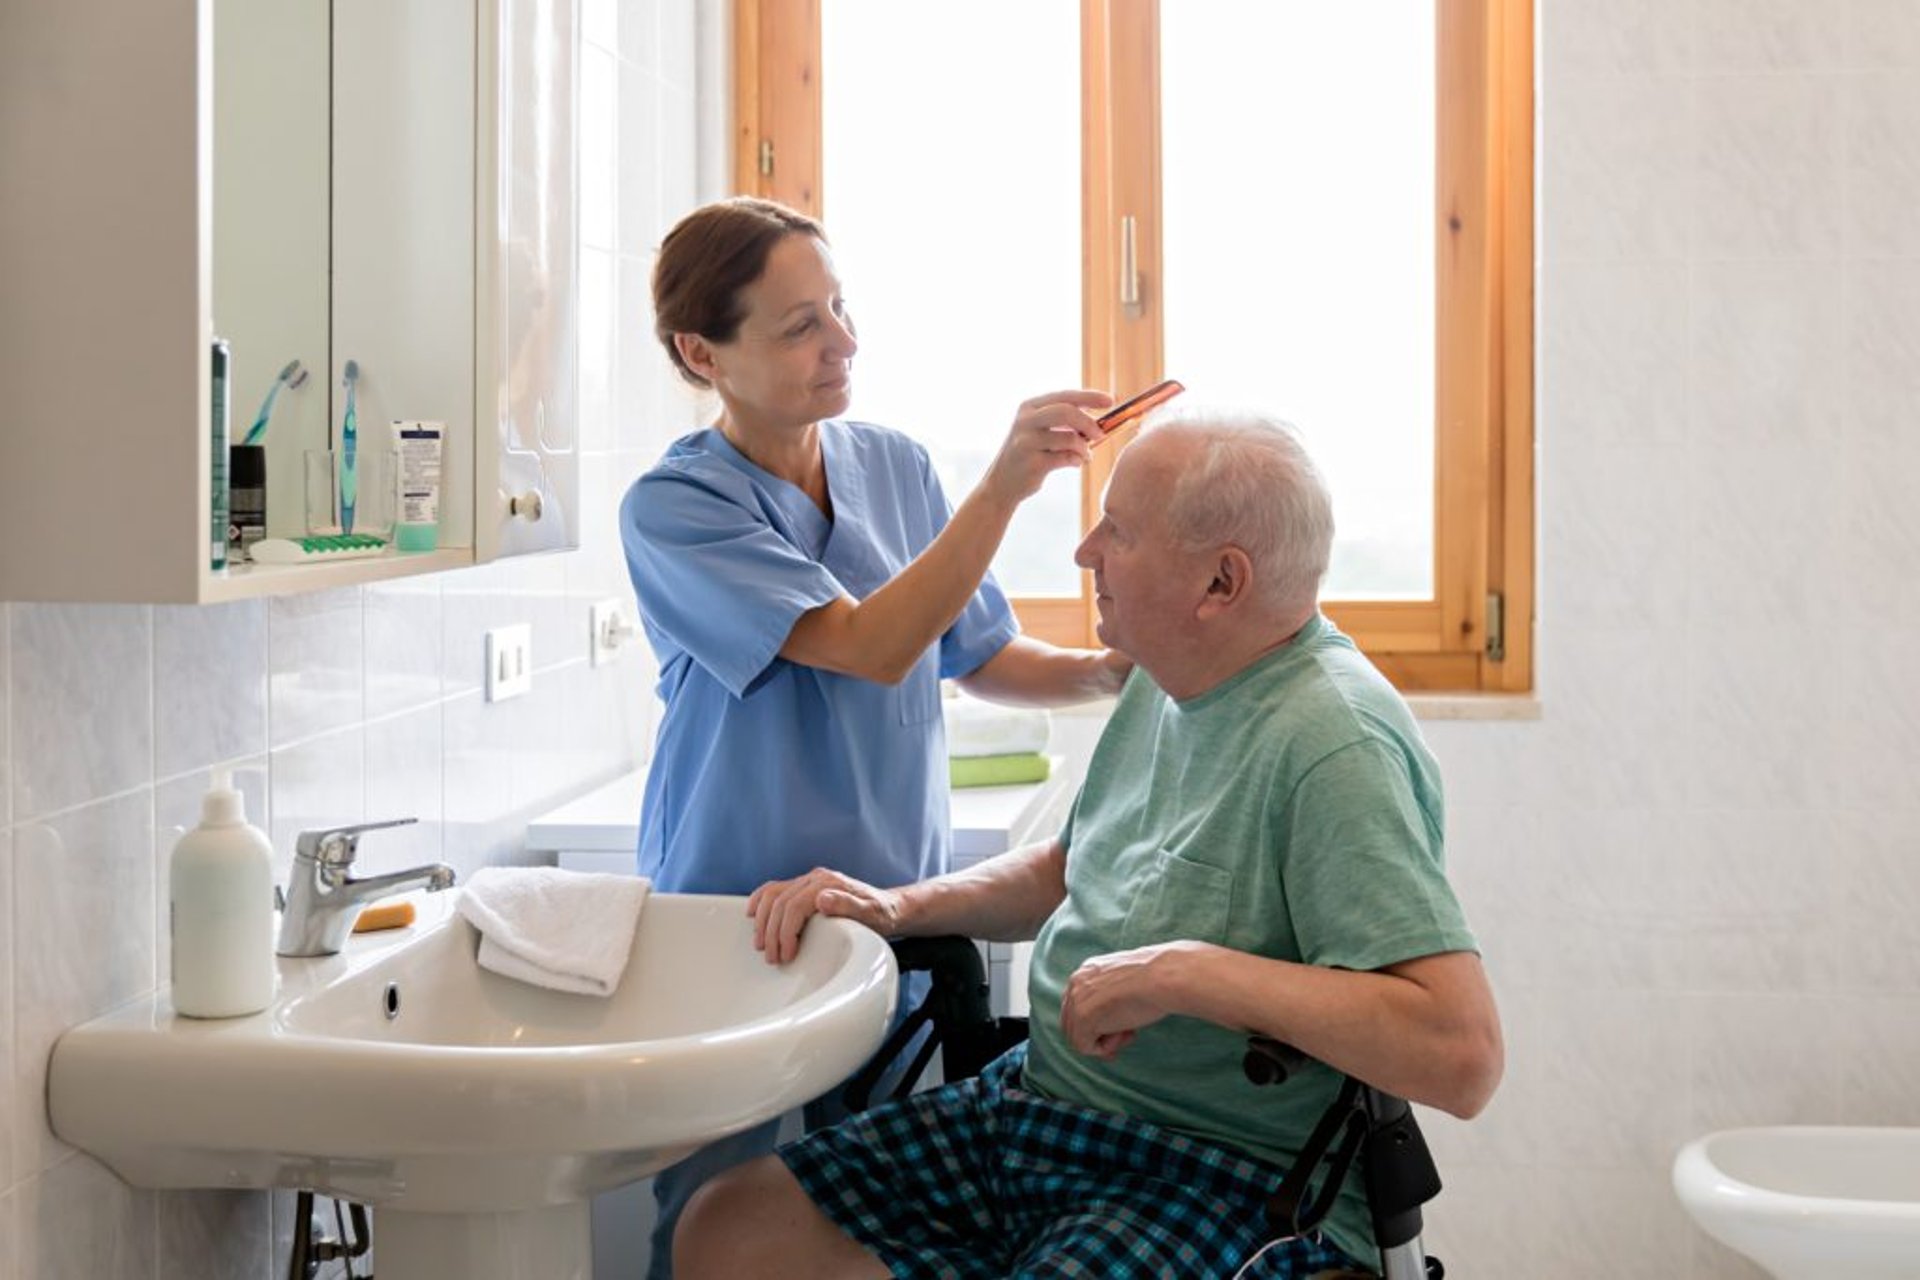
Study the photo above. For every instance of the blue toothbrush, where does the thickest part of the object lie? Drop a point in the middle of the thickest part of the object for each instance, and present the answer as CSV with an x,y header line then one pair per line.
x,y
291,376
349,442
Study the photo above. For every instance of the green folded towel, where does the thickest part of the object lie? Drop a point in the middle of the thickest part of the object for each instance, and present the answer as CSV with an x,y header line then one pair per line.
x,y
999,771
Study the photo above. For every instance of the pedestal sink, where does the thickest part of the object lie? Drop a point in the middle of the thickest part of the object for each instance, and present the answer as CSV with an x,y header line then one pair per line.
x,y
476,1114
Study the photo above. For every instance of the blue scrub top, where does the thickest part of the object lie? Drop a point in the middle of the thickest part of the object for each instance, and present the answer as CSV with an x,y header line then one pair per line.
x,y
764,769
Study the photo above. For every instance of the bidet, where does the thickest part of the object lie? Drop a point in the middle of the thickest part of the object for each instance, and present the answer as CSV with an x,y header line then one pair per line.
x,y
1807,1202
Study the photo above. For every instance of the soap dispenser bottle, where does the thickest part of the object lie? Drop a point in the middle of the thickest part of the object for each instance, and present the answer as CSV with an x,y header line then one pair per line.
x,y
220,910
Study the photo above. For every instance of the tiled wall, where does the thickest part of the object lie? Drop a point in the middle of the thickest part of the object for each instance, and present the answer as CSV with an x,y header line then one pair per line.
x,y
1698,875
358,703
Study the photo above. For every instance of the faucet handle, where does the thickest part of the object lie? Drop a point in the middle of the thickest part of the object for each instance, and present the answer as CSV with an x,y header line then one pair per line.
x,y
337,846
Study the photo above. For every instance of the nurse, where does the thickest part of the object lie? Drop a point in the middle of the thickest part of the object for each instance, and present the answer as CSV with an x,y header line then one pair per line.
x,y
805,587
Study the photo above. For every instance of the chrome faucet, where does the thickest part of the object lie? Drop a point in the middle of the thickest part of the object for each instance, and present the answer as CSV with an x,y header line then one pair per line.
x,y
322,899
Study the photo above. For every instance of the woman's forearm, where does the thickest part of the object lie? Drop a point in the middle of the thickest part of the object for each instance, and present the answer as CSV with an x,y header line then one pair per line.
x,y
1033,673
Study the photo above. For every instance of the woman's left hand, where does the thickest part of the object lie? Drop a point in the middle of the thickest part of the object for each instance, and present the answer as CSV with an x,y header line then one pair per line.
x,y
1111,997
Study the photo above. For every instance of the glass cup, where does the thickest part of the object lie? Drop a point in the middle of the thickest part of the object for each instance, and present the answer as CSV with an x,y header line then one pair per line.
x,y
376,482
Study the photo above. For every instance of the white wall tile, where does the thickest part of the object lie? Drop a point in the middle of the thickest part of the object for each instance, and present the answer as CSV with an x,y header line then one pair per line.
x,y
1641,36
209,684
598,159
1767,348
1757,737
537,596
1761,1059
678,57
1767,35
1876,724
319,783
1883,352
82,703
596,330
640,36
640,225
405,762
479,738
600,24
474,601
83,942
1877,1044
1767,165
1876,862
1613,362
640,362
78,1221
1883,165
1614,184
1877,544
1759,890
1883,33
405,629
316,657
1621,534
214,1235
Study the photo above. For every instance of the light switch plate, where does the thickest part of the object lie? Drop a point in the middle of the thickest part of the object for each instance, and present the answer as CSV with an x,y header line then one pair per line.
x,y
509,662
607,629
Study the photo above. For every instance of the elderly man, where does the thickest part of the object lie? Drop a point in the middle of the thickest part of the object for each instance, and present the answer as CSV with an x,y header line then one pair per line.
x,y
1257,848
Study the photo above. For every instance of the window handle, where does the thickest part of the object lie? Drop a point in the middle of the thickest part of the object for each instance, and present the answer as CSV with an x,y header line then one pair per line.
x,y
1129,267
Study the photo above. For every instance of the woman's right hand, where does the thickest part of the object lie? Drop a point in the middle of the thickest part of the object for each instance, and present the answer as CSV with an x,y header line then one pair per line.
x,y
1049,432
781,909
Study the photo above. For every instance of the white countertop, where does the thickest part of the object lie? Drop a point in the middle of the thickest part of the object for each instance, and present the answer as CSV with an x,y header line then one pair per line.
x,y
986,820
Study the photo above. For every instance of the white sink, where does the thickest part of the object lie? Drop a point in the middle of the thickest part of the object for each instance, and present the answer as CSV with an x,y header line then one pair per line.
x,y
480,1118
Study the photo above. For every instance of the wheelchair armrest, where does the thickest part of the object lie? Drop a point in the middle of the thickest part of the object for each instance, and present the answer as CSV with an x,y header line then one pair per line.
x,y
957,1010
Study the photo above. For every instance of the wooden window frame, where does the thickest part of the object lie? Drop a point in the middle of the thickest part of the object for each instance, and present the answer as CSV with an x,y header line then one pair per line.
x,y
1483,216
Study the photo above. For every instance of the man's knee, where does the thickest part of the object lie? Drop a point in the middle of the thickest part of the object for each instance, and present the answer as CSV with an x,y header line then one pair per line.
x,y
712,1220
756,1219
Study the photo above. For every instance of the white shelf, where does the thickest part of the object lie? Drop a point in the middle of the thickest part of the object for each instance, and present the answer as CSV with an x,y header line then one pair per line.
x,y
251,581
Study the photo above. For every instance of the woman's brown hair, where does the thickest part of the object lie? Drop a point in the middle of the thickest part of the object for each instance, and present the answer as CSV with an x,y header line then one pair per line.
x,y
708,260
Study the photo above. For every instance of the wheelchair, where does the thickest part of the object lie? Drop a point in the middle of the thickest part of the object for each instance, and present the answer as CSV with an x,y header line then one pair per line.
x,y
1363,1126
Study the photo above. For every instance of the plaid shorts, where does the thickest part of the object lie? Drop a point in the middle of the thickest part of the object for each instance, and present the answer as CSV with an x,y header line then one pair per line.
x,y
982,1179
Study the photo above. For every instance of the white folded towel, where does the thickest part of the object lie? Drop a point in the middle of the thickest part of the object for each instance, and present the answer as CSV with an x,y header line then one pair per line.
x,y
977,728
567,930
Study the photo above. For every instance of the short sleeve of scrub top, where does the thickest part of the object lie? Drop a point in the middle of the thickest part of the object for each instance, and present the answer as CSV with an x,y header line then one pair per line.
x,y
764,768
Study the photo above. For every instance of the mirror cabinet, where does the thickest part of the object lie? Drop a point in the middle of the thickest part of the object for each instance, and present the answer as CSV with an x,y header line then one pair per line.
x,y
320,182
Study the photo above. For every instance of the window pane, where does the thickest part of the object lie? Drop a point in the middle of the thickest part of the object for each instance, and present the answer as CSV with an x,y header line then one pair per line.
x,y
951,187
1298,169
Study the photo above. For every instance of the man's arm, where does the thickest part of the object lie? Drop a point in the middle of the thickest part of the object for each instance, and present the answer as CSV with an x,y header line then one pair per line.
x,y
1424,1029
1004,899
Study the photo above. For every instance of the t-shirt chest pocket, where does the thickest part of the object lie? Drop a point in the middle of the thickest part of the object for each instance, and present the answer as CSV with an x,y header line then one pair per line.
x,y
1181,899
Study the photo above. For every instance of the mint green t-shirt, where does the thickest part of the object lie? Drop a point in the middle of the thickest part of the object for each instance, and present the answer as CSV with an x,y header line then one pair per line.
x,y
1291,811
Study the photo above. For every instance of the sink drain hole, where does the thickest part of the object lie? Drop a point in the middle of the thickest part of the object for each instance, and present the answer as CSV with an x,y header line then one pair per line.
x,y
391,1001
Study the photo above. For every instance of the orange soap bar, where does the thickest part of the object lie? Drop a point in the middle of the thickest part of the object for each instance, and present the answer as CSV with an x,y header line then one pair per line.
x,y
384,915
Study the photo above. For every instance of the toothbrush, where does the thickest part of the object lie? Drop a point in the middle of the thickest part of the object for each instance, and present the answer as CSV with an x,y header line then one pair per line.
x,y
292,376
349,442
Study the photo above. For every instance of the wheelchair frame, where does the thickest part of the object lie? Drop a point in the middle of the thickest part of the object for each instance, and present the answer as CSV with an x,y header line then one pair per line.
x,y
1364,1126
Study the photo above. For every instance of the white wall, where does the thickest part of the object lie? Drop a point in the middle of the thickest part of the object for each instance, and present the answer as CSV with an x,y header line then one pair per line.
x,y
1697,878
361,703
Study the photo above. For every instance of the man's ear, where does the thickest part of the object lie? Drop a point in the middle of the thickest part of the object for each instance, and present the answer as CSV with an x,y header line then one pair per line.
x,y
1232,580
696,351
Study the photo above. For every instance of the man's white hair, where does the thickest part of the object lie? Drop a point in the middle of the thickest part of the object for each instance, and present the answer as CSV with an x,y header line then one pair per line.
x,y
1252,484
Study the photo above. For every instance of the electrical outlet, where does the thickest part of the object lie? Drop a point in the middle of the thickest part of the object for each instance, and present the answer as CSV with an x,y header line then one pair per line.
x,y
509,662
607,630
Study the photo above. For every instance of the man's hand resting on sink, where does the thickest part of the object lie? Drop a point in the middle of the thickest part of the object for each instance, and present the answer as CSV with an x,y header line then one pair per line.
x,y
781,909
